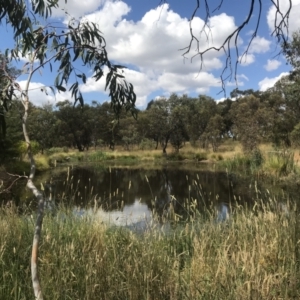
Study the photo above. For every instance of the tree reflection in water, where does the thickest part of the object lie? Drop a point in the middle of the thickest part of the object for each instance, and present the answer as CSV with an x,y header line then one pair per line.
x,y
125,196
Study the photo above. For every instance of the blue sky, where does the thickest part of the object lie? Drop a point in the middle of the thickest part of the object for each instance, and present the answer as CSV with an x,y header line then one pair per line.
x,y
146,37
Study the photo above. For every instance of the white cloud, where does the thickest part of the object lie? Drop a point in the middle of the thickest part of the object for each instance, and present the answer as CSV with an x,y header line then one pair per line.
x,y
272,64
259,45
267,82
143,85
247,59
167,82
76,8
240,80
200,83
294,20
40,95
152,45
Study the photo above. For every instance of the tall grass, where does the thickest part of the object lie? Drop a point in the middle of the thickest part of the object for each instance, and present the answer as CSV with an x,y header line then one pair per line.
x,y
275,164
252,255
280,163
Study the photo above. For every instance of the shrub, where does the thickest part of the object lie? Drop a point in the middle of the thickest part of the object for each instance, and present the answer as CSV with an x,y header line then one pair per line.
x,y
175,156
65,149
256,157
146,144
54,150
97,156
22,147
200,156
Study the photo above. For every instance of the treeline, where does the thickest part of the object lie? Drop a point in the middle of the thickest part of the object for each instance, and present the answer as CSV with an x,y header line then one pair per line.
x,y
252,117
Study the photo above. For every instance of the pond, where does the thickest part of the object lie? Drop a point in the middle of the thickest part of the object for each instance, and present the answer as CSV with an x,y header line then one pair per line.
x,y
126,195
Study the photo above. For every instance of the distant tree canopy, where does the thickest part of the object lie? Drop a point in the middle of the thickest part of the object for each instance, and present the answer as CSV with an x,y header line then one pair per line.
x,y
170,122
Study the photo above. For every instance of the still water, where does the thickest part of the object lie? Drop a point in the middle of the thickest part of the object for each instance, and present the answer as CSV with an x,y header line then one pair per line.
x,y
127,195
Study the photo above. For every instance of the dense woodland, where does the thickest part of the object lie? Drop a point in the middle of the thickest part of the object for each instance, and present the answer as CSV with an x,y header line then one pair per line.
x,y
249,116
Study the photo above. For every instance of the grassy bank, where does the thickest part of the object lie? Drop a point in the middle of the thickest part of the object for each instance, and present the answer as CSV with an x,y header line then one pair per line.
x,y
267,162
253,255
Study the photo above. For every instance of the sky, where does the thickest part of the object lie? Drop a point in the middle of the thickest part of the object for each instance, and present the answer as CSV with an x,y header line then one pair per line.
x,y
148,36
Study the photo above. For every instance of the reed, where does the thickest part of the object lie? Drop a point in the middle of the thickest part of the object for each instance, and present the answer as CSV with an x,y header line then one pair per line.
x,y
254,254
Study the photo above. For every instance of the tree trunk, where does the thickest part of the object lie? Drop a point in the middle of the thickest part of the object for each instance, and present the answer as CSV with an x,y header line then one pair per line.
x,y
156,140
40,213
165,144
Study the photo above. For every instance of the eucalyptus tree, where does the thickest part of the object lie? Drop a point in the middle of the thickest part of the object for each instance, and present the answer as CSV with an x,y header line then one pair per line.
x,y
253,122
200,110
42,123
179,134
74,122
5,68
107,126
129,133
58,47
223,109
159,122
213,133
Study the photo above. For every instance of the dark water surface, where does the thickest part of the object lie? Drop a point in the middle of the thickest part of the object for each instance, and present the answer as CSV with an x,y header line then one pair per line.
x,y
126,195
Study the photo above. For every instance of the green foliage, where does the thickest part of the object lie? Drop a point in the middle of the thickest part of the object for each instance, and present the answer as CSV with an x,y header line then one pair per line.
x,y
213,133
295,135
280,163
146,144
22,147
65,149
257,158
175,156
200,156
54,150
97,156
62,46
239,163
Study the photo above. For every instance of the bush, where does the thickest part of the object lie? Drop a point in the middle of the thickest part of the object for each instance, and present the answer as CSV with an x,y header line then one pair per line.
x,y
65,149
256,157
146,144
200,156
97,156
281,163
175,157
54,150
22,148
220,157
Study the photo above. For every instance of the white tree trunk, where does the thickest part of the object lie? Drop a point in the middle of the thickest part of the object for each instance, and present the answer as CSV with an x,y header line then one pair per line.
x,y
40,213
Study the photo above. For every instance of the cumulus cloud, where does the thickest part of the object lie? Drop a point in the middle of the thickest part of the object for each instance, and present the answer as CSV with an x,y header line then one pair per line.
x,y
76,8
40,95
143,85
294,20
151,45
240,80
272,64
259,45
247,59
267,82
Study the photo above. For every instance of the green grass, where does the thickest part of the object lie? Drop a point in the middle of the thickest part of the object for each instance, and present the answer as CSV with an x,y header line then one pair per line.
x,y
280,163
252,255
272,164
